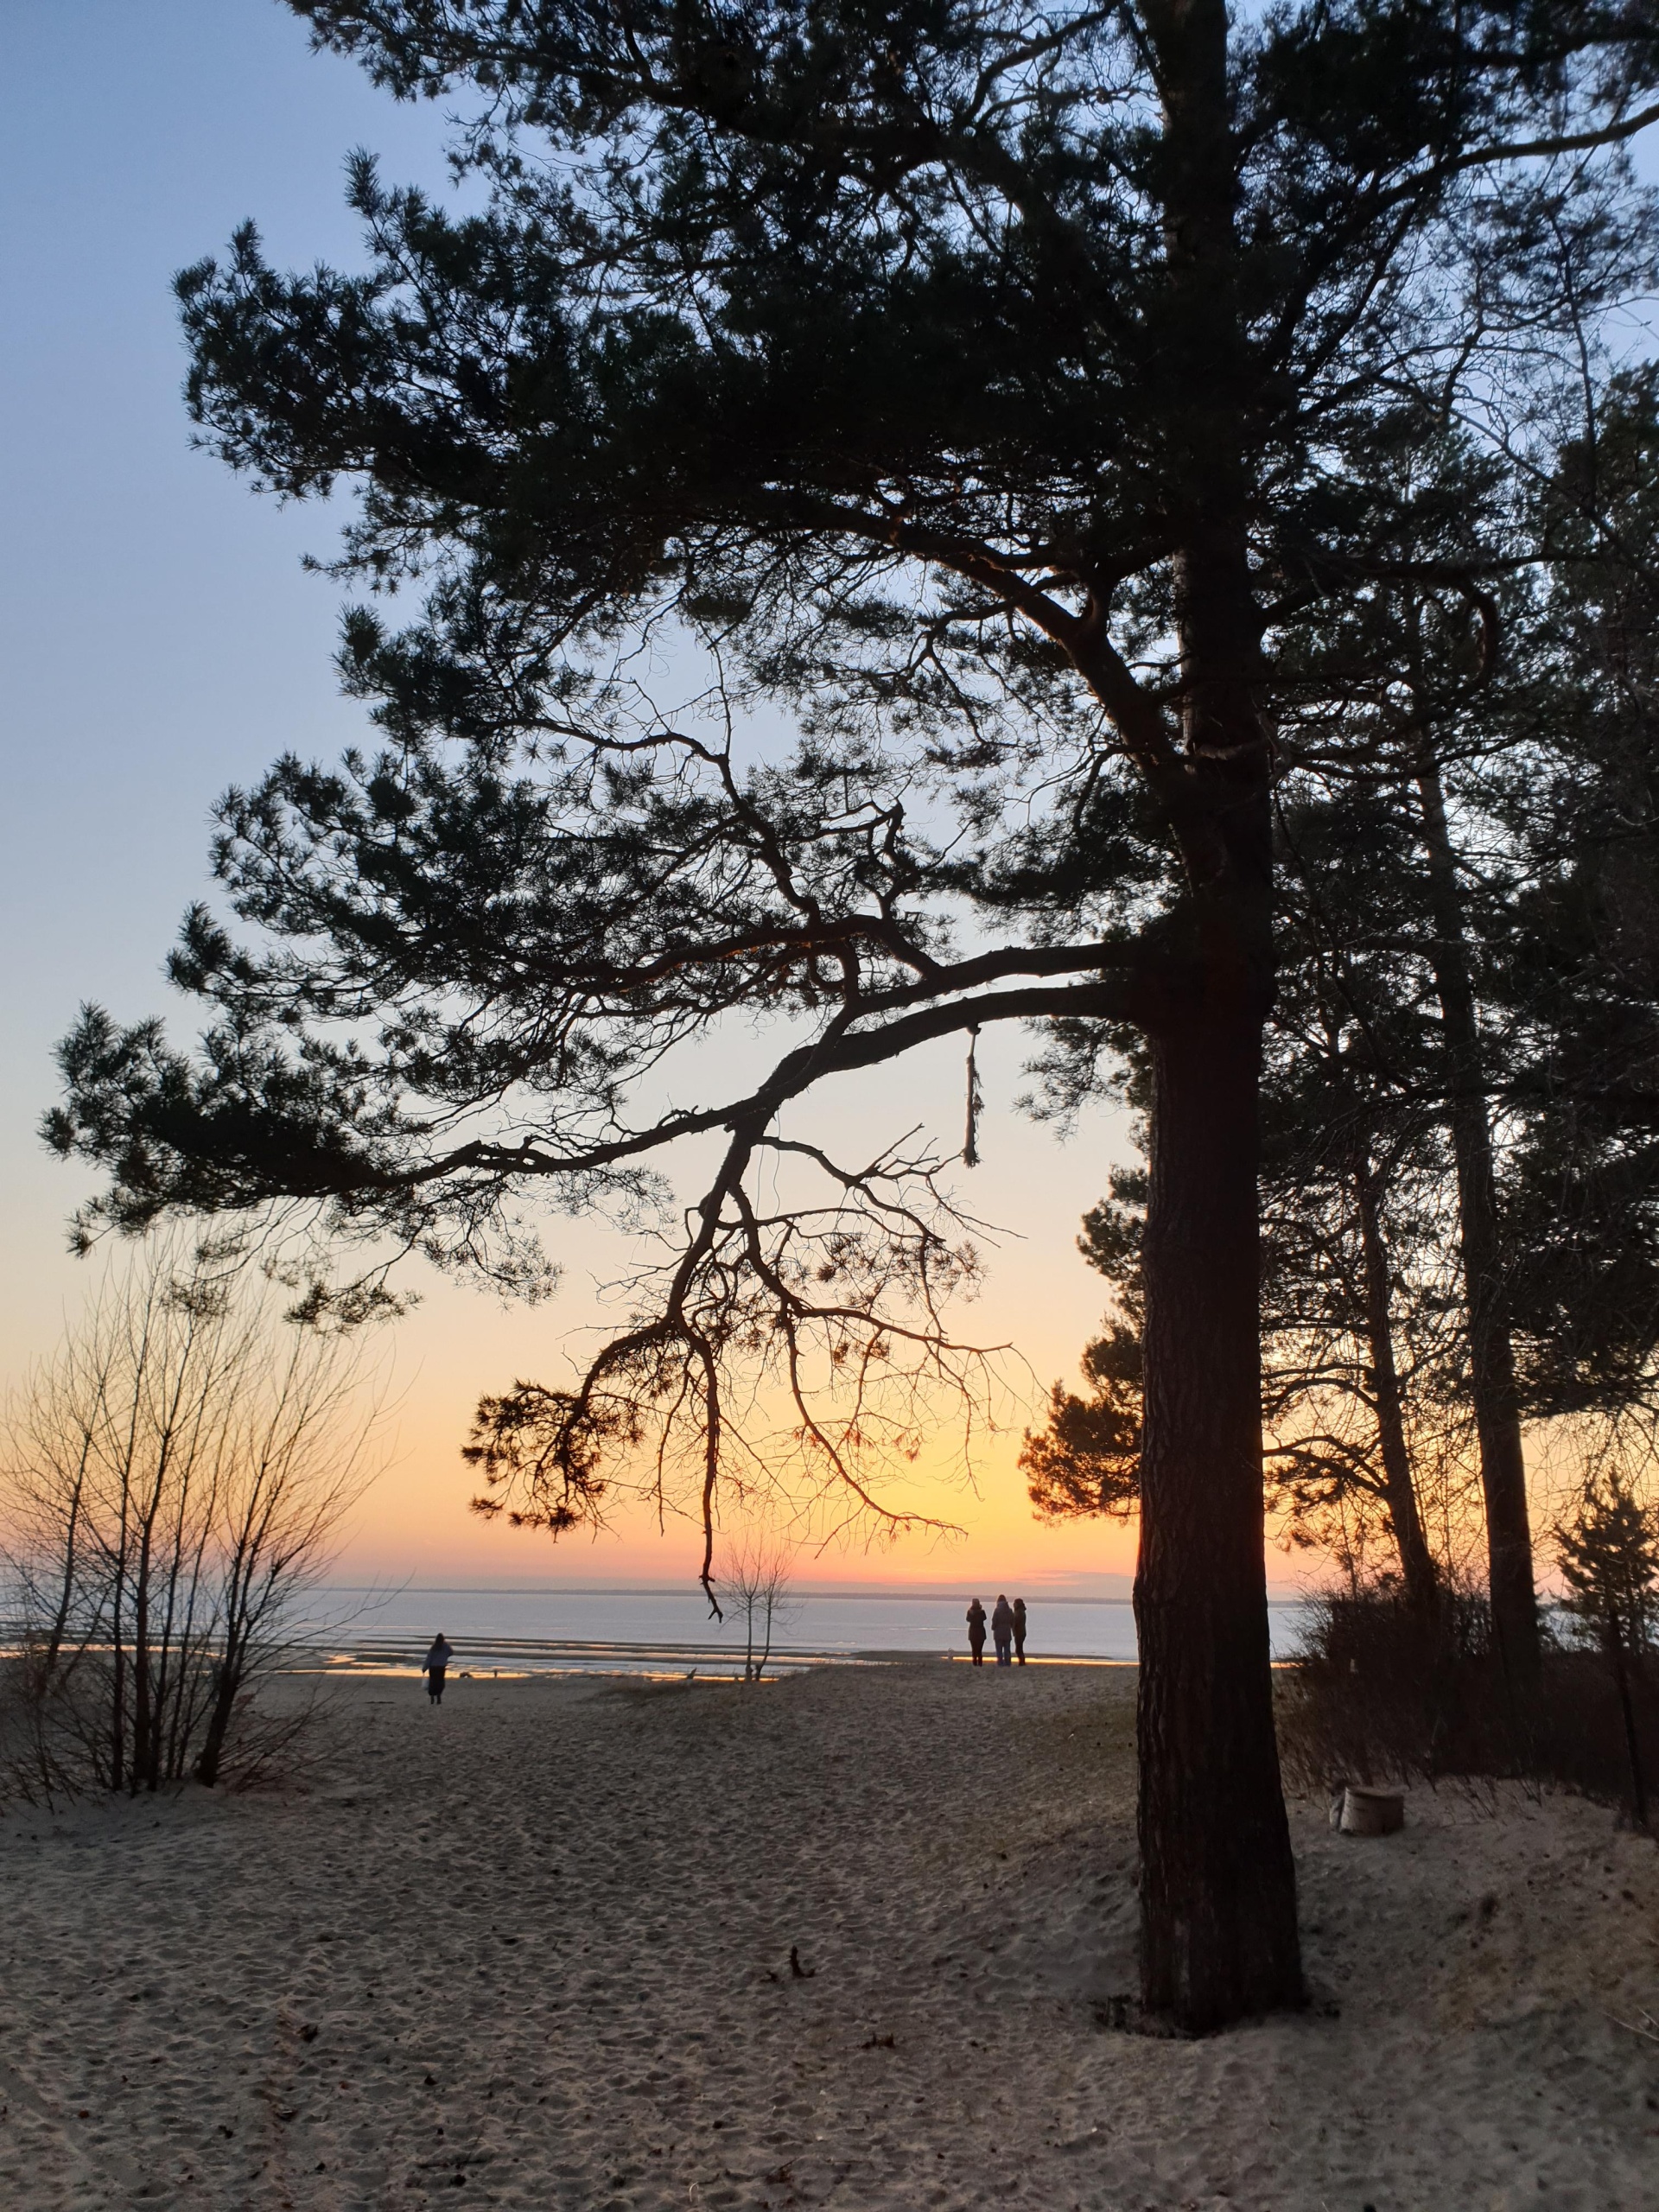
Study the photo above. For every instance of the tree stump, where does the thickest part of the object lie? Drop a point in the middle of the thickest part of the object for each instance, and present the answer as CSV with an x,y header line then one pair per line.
x,y
1372,1812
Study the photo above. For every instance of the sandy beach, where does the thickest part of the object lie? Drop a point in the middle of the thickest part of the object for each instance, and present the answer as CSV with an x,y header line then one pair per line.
x,y
535,1950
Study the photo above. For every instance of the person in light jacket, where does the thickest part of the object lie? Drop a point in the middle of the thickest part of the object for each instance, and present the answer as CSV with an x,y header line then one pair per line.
x,y
1002,1630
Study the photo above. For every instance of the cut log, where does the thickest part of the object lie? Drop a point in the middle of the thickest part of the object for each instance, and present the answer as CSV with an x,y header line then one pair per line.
x,y
1372,1812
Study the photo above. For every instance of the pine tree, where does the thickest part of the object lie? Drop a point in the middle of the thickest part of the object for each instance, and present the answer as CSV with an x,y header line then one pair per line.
x,y
994,387
1578,980
1609,1556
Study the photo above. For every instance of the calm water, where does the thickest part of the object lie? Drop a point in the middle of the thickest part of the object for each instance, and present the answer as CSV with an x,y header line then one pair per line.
x,y
670,1630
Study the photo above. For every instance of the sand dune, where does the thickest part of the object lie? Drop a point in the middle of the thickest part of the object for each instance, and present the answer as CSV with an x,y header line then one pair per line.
x,y
534,1950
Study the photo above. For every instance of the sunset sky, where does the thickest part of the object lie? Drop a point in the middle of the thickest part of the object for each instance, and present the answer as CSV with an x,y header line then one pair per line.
x,y
160,640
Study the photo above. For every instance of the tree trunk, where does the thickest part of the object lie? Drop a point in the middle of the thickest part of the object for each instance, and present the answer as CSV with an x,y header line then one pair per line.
x,y
1416,1565
227,1682
70,1566
118,1712
1218,1883
1627,1713
139,1750
1492,1356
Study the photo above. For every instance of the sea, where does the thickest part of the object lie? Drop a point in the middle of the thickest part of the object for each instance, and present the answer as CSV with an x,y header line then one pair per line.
x,y
667,1632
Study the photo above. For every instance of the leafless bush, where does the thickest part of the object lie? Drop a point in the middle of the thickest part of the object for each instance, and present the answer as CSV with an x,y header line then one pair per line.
x,y
755,1587
1380,1694
170,1484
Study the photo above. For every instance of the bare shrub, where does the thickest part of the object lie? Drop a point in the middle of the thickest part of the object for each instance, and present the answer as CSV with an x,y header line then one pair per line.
x,y
1379,1693
170,1484
755,1587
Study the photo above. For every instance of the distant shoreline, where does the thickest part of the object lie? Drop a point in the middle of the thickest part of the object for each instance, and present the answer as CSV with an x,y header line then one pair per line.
x,y
507,1658
925,1592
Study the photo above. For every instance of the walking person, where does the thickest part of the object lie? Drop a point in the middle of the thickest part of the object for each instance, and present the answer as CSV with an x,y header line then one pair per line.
x,y
976,1632
433,1666
1002,1630
1020,1629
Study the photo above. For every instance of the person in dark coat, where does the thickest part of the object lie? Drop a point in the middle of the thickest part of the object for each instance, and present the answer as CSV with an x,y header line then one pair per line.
x,y
1020,1629
1002,1630
976,1632
433,1666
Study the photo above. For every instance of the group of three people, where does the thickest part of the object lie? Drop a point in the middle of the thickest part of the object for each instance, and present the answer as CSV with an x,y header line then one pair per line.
x,y
1008,1631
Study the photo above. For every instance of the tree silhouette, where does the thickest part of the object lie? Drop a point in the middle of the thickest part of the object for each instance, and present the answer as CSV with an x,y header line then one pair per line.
x,y
1609,1556
994,387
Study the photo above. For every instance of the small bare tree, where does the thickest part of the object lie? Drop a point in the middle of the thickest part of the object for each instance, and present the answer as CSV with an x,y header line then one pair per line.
x,y
169,1484
755,1586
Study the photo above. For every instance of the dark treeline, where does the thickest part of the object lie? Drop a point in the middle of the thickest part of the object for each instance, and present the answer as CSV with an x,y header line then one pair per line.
x,y
1461,1094
1050,411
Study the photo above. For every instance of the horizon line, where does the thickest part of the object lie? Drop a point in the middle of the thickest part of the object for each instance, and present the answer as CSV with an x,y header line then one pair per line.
x,y
1277,1592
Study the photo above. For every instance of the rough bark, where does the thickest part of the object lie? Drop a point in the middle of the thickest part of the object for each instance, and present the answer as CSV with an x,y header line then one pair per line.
x,y
1218,1884
1492,1355
1416,1564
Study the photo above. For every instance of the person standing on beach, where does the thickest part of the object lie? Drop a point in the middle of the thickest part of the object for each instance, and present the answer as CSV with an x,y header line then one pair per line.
x,y
976,1632
1020,1629
433,1666
1002,1630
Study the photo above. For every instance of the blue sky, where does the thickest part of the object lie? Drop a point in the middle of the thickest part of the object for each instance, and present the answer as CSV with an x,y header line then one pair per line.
x,y
159,641
157,634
